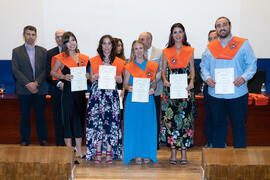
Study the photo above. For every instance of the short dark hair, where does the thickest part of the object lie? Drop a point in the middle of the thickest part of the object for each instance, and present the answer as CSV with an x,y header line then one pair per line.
x,y
223,17
213,30
29,27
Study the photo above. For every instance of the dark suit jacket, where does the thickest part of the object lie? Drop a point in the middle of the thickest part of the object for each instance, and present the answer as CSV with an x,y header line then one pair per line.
x,y
52,83
23,72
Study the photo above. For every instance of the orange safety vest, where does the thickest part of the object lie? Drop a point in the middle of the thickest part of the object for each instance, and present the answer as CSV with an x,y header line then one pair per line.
x,y
136,71
180,60
96,61
229,51
68,61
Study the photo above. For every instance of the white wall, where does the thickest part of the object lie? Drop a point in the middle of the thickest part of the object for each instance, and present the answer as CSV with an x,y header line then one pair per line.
x,y
89,20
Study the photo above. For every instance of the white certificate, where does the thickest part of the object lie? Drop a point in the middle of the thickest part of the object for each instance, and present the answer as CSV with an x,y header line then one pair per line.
x,y
79,81
106,77
120,98
224,78
178,86
140,90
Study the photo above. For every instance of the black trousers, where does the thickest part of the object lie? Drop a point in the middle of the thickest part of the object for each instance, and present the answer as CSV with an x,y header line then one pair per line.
x,y
26,102
158,111
57,116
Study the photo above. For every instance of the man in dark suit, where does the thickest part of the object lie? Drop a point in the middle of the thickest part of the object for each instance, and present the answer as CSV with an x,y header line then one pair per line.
x,y
29,70
55,88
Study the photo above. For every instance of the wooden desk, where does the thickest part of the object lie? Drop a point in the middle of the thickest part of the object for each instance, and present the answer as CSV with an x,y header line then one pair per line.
x,y
258,123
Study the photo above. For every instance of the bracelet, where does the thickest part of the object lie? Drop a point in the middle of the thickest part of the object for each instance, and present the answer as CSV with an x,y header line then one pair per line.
x,y
58,84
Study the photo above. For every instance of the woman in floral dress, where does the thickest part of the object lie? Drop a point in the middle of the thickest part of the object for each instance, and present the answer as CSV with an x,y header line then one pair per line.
x,y
103,132
178,114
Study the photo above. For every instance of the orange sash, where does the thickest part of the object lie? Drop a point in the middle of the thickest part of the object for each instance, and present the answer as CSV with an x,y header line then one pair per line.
x,y
96,61
59,70
180,60
229,51
68,61
136,71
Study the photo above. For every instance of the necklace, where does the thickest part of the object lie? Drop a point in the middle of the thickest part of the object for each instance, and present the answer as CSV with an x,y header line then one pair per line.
x,y
106,60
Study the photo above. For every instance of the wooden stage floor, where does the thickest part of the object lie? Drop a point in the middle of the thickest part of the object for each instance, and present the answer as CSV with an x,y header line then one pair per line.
x,y
161,170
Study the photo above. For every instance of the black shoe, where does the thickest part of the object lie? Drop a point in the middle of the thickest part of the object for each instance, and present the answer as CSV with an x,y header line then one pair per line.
x,y
24,143
44,143
83,157
76,162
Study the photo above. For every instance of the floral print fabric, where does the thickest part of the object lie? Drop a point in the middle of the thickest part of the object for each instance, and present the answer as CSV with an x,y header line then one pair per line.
x,y
103,122
177,123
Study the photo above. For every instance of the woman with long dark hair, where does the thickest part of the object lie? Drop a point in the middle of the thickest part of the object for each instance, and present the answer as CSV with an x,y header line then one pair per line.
x,y
73,103
178,114
103,132
119,48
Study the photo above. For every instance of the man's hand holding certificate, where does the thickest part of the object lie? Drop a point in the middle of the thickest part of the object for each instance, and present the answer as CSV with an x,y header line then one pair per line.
x,y
178,86
106,77
224,78
140,90
79,81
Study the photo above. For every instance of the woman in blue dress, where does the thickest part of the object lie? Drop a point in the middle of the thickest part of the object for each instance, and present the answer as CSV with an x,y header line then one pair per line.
x,y
140,128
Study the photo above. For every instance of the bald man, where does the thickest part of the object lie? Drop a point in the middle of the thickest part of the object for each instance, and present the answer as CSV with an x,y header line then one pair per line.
x,y
55,87
154,54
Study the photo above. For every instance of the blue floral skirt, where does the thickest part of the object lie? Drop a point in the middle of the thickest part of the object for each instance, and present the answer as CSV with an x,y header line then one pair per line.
x,y
103,122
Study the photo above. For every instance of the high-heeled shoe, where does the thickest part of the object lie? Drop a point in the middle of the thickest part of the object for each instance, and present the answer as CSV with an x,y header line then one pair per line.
x,y
80,156
183,160
138,160
173,159
109,157
98,155
146,160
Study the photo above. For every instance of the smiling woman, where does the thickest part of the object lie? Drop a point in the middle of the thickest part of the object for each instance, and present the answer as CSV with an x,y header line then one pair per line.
x,y
72,102
140,128
178,114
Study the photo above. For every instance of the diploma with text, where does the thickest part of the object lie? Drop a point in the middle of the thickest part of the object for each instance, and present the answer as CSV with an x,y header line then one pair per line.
x,y
140,90
79,81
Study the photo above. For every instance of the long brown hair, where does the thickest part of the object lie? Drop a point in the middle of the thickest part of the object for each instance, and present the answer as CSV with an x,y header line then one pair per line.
x,y
122,54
